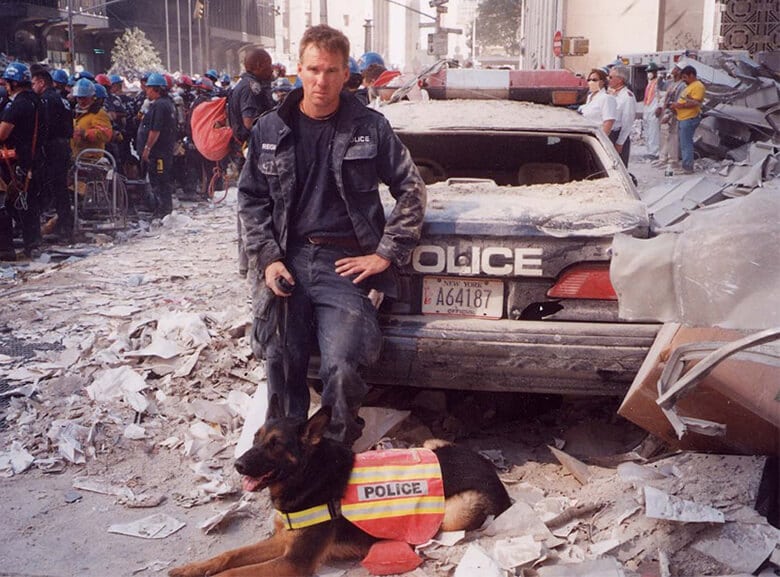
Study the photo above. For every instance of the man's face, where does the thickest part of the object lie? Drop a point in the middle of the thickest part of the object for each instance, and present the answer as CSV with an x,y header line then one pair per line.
x,y
85,102
264,70
615,81
323,75
151,92
38,85
688,78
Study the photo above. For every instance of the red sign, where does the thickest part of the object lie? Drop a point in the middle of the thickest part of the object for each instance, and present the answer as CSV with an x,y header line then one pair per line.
x,y
557,43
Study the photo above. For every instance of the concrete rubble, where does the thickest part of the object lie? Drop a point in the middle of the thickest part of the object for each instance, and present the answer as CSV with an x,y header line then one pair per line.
x,y
737,142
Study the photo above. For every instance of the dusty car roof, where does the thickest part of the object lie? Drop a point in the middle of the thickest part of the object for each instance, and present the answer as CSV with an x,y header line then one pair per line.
x,y
481,114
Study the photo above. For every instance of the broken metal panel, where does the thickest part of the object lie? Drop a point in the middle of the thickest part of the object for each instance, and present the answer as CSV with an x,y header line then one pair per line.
x,y
668,204
709,74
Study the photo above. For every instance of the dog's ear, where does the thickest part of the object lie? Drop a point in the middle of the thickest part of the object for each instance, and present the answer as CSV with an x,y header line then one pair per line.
x,y
315,427
274,408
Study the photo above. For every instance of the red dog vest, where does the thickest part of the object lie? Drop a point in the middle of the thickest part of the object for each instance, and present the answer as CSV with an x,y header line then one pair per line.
x,y
396,494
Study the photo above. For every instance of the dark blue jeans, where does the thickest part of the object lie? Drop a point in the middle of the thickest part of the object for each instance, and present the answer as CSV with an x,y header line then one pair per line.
x,y
331,309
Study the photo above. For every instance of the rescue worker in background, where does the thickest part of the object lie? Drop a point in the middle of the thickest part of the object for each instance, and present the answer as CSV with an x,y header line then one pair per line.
x,y
22,134
58,118
626,111
280,88
317,233
250,98
115,109
92,126
122,120
688,110
60,79
600,106
651,114
355,80
225,83
159,127
670,140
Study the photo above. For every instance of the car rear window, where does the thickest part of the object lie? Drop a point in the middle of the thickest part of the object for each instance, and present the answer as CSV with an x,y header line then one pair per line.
x,y
509,159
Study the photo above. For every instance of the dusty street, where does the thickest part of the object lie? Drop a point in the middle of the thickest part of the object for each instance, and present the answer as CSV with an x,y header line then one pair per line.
x,y
166,311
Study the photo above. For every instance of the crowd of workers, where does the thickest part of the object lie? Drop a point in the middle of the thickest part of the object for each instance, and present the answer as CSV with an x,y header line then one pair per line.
x,y
50,119
671,113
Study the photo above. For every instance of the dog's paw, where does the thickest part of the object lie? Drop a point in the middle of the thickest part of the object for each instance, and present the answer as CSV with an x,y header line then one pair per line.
x,y
191,570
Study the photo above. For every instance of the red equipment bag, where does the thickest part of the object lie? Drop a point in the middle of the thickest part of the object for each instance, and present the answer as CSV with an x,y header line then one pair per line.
x,y
210,132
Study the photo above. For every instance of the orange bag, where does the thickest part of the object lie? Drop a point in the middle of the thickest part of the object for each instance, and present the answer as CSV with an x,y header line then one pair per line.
x,y
210,132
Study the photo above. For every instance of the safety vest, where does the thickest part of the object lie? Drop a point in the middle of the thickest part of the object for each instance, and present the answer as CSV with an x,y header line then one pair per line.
x,y
396,494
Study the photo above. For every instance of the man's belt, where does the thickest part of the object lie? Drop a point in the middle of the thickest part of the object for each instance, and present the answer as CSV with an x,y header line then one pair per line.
x,y
348,242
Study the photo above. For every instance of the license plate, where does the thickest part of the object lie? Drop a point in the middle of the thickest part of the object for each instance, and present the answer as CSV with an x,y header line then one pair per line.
x,y
467,297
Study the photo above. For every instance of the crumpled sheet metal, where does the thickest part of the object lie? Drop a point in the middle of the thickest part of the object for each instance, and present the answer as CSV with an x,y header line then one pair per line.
x,y
718,267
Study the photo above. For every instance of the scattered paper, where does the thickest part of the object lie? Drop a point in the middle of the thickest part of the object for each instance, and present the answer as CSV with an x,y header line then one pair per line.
x,y
577,468
477,562
15,461
110,385
660,505
157,526
741,546
237,509
517,551
253,419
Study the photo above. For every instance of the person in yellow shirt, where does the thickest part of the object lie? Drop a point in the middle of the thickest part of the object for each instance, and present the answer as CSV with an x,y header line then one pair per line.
x,y
688,112
92,125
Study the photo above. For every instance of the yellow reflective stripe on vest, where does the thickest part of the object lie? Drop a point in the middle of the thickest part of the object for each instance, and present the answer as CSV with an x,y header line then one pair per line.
x,y
305,518
388,508
362,475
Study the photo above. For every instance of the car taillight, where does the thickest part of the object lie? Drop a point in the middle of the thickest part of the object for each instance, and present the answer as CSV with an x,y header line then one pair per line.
x,y
589,281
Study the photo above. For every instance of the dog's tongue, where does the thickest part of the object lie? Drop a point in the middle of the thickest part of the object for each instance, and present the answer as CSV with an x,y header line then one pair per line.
x,y
250,484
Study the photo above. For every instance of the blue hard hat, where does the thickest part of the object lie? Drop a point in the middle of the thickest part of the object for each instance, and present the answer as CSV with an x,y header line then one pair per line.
x,y
84,87
353,66
71,80
59,76
211,73
115,79
17,71
225,79
368,59
100,91
85,74
156,79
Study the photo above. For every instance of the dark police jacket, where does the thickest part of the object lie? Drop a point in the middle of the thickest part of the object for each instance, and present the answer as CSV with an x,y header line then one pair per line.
x,y
365,151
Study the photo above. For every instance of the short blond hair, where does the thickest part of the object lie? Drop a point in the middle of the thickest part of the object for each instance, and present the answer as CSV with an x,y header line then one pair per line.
x,y
325,38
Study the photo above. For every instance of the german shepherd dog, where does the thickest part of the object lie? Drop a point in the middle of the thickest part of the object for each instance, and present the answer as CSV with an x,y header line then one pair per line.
x,y
304,469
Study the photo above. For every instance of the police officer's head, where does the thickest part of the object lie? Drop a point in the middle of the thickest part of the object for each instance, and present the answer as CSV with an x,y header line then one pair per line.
x,y
41,78
355,77
17,77
323,69
258,63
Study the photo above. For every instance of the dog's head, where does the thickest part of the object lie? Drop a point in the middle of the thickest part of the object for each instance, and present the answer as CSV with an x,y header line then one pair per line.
x,y
280,446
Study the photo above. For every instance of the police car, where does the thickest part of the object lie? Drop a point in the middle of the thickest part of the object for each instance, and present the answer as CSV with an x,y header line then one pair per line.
x,y
508,289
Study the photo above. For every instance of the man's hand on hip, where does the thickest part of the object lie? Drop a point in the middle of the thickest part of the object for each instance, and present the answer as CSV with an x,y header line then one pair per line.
x,y
362,266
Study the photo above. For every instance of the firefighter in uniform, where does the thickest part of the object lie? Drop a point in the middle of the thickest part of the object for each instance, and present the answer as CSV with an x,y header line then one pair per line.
x,y
22,134
159,129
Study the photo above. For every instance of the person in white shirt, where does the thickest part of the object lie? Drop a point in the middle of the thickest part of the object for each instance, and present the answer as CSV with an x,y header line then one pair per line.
x,y
651,115
626,111
600,106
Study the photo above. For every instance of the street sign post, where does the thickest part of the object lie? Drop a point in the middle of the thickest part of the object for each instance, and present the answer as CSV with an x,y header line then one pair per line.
x,y
438,43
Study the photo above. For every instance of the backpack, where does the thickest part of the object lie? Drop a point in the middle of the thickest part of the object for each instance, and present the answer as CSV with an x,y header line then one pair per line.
x,y
210,131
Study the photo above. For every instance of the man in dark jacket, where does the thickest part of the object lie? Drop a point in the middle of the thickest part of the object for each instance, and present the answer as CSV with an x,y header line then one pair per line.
x,y
58,118
159,126
317,233
22,131
250,98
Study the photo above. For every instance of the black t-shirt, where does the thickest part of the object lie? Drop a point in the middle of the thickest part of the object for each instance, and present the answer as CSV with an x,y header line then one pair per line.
x,y
21,113
318,209
57,115
161,117
248,99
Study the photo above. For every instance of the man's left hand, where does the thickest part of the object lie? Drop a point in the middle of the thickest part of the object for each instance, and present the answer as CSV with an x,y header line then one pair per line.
x,y
362,266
